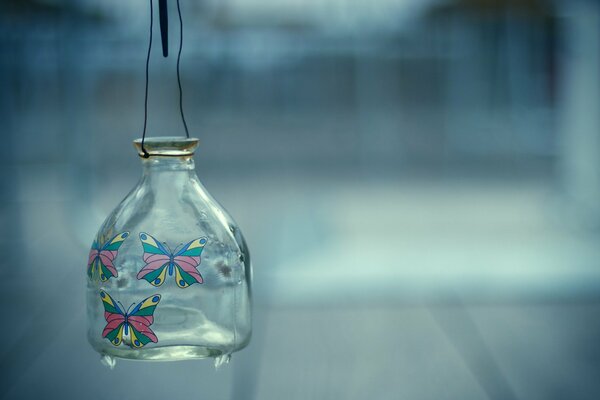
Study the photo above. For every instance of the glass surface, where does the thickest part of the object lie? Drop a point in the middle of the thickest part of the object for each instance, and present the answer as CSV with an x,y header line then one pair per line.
x,y
169,272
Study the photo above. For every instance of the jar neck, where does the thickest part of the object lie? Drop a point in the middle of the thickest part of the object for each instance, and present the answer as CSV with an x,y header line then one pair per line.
x,y
161,165
168,176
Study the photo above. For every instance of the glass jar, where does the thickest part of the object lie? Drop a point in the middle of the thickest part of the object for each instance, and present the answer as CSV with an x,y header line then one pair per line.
x,y
169,272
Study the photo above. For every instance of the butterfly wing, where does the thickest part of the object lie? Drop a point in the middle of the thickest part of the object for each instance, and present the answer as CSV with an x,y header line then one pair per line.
x,y
116,242
186,262
140,319
157,259
106,257
101,258
92,262
115,318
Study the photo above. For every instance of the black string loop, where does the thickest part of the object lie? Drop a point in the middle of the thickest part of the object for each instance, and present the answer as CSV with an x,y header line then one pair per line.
x,y
187,133
146,154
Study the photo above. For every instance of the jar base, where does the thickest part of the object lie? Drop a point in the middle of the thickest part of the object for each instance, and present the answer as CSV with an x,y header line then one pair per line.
x,y
166,353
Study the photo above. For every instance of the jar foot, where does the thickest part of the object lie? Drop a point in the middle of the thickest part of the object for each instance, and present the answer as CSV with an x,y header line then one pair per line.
x,y
221,360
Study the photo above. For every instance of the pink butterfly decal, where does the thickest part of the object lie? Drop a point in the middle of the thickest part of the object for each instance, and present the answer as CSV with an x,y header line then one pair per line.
x,y
183,262
134,324
102,256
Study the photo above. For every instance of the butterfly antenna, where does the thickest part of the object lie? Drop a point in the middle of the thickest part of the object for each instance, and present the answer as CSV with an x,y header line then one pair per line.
x,y
170,250
129,308
122,306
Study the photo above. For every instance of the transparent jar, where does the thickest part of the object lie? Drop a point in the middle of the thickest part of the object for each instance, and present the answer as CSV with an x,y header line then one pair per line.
x,y
169,272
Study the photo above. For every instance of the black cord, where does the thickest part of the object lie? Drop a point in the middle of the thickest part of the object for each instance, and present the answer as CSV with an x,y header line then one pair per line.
x,y
146,155
187,133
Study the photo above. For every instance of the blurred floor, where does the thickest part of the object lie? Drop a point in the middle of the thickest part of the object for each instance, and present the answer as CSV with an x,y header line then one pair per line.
x,y
541,351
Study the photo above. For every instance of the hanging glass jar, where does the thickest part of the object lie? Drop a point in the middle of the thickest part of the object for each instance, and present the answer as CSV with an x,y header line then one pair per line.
x,y
169,272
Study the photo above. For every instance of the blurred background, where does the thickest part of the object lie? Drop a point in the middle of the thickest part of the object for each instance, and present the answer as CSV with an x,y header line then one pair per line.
x,y
418,182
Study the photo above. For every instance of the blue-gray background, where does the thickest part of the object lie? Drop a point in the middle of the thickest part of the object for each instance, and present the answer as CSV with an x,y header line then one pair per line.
x,y
418,182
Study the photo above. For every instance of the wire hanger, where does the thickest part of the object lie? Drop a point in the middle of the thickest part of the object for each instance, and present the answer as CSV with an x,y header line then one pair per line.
x,y
164,33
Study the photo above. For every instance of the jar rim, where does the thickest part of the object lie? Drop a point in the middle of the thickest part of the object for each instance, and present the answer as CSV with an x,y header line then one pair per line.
x,y
167,146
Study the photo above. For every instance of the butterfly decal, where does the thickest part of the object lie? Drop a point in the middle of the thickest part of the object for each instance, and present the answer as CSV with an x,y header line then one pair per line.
x,y
134,324
159,259
102,256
